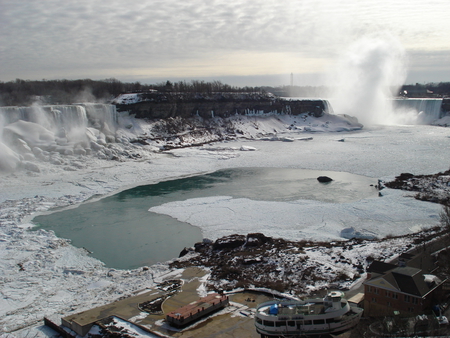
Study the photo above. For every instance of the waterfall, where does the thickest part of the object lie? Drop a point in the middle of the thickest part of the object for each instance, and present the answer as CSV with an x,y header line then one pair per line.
x,y
328,107
102,116
68,117
42,132
424,111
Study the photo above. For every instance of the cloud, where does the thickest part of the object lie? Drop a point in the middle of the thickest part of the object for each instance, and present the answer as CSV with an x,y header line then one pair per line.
x,y
50,38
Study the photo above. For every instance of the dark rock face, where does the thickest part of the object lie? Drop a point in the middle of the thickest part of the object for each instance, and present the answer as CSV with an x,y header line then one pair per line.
x,y
183,252
235,241
324,179
229,242
256,239
445,106
165,105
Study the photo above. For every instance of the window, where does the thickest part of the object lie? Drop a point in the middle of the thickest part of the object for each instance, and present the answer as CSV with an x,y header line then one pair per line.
x,y
291,323
374,300
330,320
258,320
394,295
319,321
279,324
414,300
407,298
269,323
389,304
308,322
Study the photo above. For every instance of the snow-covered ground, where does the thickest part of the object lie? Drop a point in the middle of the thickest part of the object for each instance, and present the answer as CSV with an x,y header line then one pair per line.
x,y
42,275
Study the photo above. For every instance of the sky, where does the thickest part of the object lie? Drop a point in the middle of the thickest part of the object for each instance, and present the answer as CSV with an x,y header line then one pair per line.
x,y
239,42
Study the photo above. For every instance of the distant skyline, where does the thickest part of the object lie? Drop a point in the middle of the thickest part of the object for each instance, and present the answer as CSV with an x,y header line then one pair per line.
x,y
241,43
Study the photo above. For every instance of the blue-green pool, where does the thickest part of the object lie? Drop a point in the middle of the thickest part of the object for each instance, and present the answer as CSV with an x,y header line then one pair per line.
x,y
120,231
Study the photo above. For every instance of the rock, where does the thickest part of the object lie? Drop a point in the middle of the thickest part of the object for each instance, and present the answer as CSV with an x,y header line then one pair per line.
x,y
350,233
31,167
324,179
229,242
256,239
183,253
56,161
96,146
247,148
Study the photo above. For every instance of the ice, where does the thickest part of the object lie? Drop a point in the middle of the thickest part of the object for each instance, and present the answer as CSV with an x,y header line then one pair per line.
x,y
42,274
390,215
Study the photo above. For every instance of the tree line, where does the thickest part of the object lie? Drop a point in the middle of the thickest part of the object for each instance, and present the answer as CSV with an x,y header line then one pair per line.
x,y
26,92
440,89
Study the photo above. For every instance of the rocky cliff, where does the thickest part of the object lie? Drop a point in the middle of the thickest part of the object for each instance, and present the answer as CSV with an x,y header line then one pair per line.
x,y
445,106
156,105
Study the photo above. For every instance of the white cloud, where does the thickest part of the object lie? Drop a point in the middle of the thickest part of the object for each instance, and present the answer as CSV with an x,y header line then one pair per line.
x,y
153,38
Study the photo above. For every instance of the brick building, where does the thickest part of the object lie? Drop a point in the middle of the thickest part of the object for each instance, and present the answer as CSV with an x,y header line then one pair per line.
x,y
408,287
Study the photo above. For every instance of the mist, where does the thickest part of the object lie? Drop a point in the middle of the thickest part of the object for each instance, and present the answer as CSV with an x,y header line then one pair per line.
x,y
366,77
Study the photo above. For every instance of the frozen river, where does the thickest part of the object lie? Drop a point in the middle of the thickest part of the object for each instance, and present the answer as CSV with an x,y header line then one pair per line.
x,y
43,275
121,232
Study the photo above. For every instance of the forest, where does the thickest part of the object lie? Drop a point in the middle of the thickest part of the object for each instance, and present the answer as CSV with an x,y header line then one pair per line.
x,y
27,92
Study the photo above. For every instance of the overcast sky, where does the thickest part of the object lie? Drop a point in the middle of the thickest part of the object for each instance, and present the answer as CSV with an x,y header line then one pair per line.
x,y
240,42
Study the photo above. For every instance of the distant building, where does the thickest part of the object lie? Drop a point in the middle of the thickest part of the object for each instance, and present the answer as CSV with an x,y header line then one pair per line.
x,y
408,286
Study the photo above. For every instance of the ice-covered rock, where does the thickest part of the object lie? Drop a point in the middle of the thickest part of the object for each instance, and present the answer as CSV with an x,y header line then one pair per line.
x,y
349,233
31,167
10,160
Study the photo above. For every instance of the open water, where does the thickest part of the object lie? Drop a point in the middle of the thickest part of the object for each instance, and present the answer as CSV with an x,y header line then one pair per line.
x,y
120,231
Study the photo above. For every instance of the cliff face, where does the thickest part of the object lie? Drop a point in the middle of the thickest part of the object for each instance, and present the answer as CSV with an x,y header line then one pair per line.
x,y
445,106
165,105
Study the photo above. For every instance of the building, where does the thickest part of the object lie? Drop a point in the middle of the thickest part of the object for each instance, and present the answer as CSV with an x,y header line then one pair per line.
x,y
408,287
194,311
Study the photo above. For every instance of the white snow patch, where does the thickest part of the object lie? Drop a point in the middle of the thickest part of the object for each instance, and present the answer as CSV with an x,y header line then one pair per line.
x,y
392,214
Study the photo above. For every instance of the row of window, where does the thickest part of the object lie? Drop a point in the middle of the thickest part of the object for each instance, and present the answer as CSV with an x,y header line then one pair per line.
x,y
294,323
393,295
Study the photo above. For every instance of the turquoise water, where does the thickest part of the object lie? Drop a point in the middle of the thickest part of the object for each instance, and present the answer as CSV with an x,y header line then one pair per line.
x,y
120,231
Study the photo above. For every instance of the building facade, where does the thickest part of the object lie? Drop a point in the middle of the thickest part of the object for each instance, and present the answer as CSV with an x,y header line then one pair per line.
x,y
401,288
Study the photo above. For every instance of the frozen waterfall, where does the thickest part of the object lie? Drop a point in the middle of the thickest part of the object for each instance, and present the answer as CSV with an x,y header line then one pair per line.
x,y
42,132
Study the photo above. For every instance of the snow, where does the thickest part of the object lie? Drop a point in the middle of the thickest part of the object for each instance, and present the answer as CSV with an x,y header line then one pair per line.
x,y
392,214
125,328
43,275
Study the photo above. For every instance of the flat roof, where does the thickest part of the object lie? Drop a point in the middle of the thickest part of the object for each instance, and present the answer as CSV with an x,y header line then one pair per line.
x,y
197,306
125,308
356,298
